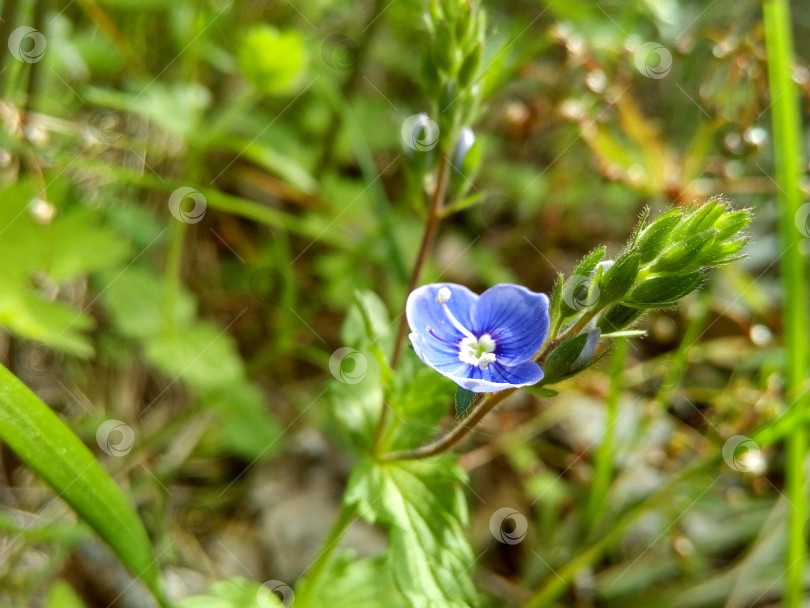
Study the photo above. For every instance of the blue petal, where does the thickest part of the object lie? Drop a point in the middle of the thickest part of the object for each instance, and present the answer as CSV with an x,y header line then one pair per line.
x,y
515,317
439,355
423,312
496,377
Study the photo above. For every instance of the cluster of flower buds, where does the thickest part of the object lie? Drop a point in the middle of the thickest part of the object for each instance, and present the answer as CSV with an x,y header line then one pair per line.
x,y
664,261
454,60
452,70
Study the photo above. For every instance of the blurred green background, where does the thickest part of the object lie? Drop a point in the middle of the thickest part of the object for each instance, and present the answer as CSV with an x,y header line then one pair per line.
x,y
191,193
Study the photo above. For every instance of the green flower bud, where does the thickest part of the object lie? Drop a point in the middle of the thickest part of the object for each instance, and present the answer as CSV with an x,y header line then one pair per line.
x,y
663,290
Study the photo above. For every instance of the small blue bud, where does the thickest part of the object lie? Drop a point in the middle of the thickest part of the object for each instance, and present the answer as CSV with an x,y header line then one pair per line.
x,y
466,140
586,354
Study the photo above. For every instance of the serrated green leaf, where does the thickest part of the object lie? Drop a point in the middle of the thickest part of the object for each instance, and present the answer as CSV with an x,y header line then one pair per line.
x,y
423,506
202,355
363,583
46,445
134,299
79,245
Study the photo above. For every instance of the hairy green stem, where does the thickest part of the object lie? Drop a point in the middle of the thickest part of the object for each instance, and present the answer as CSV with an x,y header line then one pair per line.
x,y
429,235
788,160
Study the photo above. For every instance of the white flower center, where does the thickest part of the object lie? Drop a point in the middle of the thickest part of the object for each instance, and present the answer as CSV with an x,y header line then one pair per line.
x,y
477,351
471,350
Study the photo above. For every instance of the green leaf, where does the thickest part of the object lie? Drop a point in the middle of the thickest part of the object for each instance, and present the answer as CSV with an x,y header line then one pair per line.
x,y
663,290
463,400
247,428
74,244
234,593
423,506
272,60
202,355
135,302
364,583
45,444
62,595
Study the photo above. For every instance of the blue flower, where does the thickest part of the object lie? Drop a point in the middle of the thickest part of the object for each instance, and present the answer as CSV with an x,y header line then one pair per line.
x,y
483,343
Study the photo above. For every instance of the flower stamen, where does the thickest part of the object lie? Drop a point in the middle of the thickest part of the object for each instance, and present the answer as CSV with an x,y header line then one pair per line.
x,y
477,351
442,296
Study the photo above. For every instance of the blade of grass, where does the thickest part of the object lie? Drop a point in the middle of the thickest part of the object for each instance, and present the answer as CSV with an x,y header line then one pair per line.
x,y
45,444
604,455
788,160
